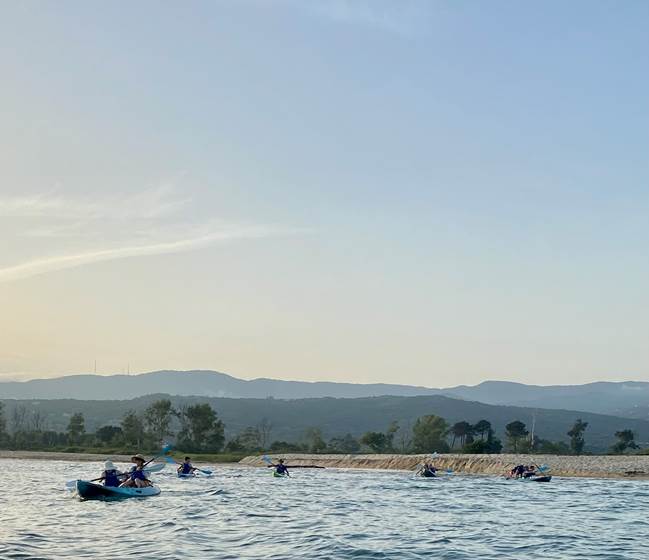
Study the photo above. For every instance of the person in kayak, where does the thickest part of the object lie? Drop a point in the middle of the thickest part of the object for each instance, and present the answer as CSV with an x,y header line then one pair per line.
x,y
428,470
110,476
280,468
137,476
530,471
517,471
186,467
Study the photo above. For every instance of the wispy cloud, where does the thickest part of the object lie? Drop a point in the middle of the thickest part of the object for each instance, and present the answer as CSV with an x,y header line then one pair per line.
x,y
44,265
152,221
403,17
152,203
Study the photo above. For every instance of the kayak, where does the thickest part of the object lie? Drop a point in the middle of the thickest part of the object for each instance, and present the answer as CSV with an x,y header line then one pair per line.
x,y
540,478
188,475
278,475
427,474
91,491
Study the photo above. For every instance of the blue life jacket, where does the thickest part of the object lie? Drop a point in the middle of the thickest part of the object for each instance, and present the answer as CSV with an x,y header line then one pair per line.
x,y
186,468
111,478
281,469
137,473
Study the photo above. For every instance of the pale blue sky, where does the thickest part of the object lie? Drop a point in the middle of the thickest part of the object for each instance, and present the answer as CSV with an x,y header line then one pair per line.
x,y
418,192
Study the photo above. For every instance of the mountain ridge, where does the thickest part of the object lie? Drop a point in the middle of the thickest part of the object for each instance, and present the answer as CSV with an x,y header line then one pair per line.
x,y
603,397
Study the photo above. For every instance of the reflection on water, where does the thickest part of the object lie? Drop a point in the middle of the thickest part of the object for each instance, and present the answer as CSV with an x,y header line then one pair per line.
x,y
246,513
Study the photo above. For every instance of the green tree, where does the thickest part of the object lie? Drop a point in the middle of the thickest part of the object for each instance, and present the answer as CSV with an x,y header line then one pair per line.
x,y
76,427
625,441
576,434
314,441
249,439
4,436
108,434
133,428
429,433
460,430
202,430
393,428
376,441
347,444
157,419
482,428
515,432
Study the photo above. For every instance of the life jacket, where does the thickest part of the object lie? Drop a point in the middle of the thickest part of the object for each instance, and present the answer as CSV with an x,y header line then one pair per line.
x,y
111,478
137,473
186,468
281,469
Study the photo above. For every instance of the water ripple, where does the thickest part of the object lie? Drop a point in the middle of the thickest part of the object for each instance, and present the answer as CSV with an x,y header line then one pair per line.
x,y
329,514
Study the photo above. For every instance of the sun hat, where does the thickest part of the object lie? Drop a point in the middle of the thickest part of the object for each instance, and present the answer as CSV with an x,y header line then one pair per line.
x,y
138,457
108,466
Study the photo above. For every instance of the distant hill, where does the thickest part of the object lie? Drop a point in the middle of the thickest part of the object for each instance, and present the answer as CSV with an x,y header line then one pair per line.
x,y
335,417
207,383
620,399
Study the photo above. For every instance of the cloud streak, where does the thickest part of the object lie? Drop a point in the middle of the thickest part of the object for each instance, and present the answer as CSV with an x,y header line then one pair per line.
x,y
44,265
149,204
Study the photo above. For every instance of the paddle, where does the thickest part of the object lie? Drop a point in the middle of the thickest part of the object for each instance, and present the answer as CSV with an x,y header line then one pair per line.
x,y
172,460
165,449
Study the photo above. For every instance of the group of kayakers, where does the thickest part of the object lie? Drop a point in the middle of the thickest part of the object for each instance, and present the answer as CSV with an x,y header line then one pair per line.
x,y
136,475
523,471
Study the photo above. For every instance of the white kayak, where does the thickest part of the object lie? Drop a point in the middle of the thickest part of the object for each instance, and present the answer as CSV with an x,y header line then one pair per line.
x,y
91,491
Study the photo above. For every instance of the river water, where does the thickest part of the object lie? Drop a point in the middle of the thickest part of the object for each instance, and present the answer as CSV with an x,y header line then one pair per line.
x,y
246,513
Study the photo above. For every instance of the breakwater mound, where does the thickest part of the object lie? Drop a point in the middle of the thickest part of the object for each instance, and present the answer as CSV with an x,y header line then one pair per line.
x,y
597,466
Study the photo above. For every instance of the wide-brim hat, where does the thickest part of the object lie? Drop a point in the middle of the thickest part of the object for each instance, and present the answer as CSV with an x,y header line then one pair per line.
x,y
138,457
108,466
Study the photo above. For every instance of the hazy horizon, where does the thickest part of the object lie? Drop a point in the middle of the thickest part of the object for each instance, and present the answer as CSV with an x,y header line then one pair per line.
x,y
421,193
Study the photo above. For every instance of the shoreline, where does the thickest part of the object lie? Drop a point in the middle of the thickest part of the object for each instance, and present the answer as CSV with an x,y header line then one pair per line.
x,y
84,457
582,466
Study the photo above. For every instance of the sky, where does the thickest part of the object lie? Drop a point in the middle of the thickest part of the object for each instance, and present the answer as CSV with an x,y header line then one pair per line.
x,y
420,192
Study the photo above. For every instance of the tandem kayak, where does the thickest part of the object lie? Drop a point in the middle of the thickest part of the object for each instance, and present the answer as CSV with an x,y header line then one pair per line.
x,y
540,478
91,491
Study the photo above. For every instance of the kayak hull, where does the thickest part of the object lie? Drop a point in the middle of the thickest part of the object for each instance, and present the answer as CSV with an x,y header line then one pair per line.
x,y
92,491
278,475
189,475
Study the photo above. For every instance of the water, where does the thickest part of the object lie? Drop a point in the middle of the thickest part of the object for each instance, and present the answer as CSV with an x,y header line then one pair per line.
x,y
246,513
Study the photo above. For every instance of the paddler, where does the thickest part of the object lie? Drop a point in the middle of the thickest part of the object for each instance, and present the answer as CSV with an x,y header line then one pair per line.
x,y
186,467
280,468
111,475
137,476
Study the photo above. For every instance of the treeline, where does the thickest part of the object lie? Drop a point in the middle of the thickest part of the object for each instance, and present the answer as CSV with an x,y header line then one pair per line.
x,y
196,428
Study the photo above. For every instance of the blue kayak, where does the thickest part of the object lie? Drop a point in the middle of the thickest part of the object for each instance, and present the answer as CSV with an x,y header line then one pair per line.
x,y
91,491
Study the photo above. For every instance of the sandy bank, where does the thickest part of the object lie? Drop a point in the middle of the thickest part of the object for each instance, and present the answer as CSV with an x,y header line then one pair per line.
x,y
597,466
91,457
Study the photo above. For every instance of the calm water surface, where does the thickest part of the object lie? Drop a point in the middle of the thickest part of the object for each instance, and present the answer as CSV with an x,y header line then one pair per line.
x,y
246,513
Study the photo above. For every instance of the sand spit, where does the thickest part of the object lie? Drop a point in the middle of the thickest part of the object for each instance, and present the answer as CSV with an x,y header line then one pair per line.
x,y
594,466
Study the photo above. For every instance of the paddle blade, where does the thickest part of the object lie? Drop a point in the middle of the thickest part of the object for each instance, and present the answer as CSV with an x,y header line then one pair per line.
x,y
169,459
543,468
266,459
449,471
204,471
